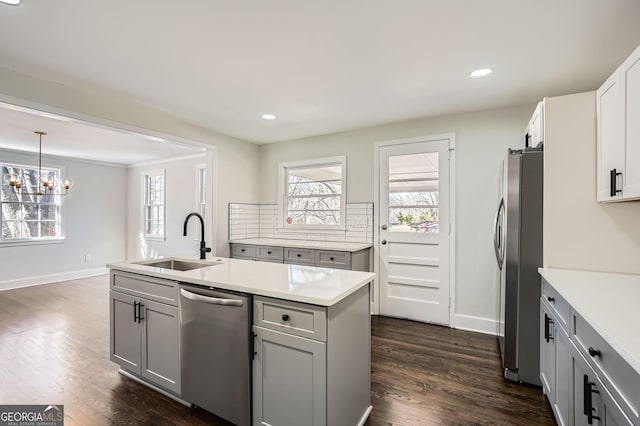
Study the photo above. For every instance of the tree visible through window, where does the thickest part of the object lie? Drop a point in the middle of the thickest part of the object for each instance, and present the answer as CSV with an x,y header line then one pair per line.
x,y
24,215
314,193
154,201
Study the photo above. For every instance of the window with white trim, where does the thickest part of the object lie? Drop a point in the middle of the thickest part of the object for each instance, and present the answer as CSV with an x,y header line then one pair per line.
x,y
313,193
154,204
24,215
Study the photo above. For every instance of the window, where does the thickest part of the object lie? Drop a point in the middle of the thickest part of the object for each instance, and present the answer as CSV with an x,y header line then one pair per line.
x,y
312,193
201,196
154,199
25,216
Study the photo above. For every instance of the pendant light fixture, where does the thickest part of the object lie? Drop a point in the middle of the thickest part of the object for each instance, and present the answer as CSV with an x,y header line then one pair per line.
x,y
46,185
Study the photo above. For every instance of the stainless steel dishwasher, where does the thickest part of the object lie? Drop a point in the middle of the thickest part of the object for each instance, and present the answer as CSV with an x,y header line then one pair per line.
x,y
215,349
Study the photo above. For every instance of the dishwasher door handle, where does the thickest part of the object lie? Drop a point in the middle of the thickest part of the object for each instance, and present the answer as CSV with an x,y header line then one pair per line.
x,y
211,300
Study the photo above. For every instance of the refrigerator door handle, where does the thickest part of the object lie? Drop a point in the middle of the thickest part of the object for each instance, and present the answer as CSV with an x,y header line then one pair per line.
x,y
497,235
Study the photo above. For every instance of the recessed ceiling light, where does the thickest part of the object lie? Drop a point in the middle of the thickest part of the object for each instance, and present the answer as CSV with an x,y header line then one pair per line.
x,y
482,72
268,116
11,2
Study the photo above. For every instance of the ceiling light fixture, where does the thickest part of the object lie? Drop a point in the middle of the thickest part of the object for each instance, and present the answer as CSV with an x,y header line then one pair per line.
x,y
11,2
45,183
482,72
268,117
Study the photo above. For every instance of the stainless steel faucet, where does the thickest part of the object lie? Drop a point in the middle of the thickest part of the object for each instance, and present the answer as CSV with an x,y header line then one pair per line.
x,y
203,246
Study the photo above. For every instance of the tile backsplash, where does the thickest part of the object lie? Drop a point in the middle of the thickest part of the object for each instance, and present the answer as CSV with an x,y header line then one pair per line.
x,y
261,221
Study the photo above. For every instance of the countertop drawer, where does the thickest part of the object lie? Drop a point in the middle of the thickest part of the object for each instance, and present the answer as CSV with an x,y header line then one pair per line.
x,y
619,377
333,259
243,250
296,255
299,319
158,289
275,254
558,304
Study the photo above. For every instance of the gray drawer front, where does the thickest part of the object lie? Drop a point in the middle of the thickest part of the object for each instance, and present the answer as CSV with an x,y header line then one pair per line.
x,y
296,255
299,319
158,289
558,304
619,377
271,254
333,259
243,250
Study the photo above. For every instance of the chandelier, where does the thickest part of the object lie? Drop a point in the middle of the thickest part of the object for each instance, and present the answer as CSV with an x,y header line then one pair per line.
x,y
47,184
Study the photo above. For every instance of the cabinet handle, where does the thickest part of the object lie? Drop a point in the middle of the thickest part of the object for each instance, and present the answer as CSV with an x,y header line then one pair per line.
x,y
594,352
547,331
268,252
526,140
242,250
299,255
551,299
135,311
587,394
285,317
332,259
383,242
613,176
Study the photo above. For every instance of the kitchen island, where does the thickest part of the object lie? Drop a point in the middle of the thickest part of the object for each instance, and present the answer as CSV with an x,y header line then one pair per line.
x,y
308,333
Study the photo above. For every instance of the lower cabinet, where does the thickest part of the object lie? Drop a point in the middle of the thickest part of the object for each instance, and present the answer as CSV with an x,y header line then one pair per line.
x,y
548,352
145,339
289,379
592,402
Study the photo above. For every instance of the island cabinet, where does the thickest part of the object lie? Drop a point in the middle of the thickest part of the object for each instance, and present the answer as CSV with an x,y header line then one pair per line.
x,y
144,328
585,379
311,363
618,133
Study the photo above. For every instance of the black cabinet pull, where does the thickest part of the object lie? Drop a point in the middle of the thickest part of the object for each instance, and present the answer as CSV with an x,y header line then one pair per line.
x,y
613,176
285,317
551,299
299,255
594,352
587,395
242,250
332,259
135,311
547,331
268,252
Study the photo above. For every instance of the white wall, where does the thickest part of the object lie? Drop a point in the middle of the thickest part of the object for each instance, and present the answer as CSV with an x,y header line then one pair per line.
x,y
580,233
237,161
94,223
181,199
482,139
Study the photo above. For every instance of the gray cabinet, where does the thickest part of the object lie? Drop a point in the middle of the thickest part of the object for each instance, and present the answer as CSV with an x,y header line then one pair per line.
x,y
312,363
144,333
356,261
585,380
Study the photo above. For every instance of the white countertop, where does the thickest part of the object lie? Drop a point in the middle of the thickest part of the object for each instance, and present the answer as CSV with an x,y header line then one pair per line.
x,y
306,284
325,245
608,302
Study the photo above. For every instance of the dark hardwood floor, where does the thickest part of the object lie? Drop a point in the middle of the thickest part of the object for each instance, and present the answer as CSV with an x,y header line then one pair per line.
x,y
54,349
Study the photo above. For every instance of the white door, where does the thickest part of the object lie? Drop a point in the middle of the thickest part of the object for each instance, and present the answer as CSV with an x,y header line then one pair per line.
x,y
414,230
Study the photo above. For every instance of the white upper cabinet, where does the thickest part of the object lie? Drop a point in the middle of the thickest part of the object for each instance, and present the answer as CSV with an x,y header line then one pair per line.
x,y
618,133
534,134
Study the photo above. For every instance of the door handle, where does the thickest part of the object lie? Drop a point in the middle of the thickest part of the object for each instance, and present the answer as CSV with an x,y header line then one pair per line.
x,y
547,330
383,242
497,235
211,300
613,176
587,395
384,227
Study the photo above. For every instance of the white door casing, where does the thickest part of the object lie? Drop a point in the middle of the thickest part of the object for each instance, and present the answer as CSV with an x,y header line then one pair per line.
x,y
414,241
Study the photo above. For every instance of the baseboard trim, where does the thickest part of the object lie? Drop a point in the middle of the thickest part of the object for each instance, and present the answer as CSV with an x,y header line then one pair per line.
x,y
477,324
51,278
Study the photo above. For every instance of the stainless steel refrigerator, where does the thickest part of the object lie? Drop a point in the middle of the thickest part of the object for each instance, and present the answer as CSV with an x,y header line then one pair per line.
x,y
518,247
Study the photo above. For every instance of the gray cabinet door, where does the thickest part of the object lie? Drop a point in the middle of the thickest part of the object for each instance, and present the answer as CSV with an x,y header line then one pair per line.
x,y
547,352
125,332
562,405
160,345
289,380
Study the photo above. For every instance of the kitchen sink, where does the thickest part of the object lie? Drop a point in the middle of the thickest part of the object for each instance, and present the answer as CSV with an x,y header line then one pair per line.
x,y
175,264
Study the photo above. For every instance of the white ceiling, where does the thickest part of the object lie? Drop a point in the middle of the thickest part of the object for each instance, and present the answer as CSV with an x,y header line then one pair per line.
x,y
322,66
70,138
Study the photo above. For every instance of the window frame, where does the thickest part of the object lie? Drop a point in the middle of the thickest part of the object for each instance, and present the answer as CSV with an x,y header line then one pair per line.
x,y
283,190
145,174
60,170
